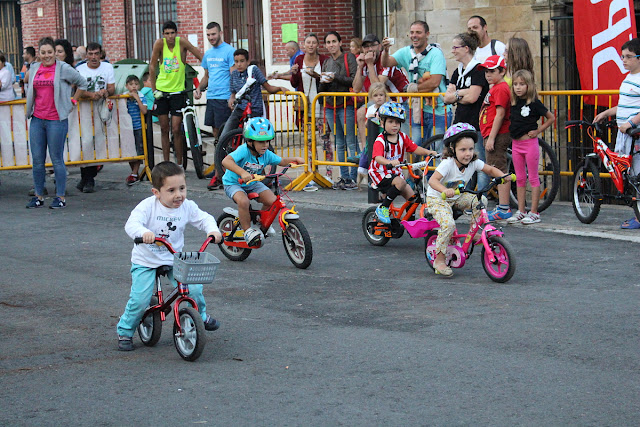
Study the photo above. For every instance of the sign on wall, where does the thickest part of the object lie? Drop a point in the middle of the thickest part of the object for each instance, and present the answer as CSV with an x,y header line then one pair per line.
x,y
601,27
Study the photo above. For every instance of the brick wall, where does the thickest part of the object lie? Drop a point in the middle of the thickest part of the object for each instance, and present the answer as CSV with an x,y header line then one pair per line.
x,y
311,17
190,22
35,27
113,29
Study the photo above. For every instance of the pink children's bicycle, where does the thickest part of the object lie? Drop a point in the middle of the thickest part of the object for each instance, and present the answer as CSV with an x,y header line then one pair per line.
x,y
498,260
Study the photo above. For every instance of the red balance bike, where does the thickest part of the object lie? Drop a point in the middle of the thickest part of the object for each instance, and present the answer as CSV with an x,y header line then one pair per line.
x,y
188,328
587,186
498,259
295,237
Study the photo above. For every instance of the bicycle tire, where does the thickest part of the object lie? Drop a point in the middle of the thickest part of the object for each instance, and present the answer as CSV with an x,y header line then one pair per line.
x,y
549,178
503,269
297,244
587,192
191,342
234,253
194,146
226,145
369,220
432,142
150,327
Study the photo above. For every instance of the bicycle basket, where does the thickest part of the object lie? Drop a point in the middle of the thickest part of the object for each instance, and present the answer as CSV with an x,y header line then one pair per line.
x,y
194,267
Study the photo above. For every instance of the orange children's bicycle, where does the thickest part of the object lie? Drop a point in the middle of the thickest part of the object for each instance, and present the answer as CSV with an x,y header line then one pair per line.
x,y
587,186
188,328
295,237
378,233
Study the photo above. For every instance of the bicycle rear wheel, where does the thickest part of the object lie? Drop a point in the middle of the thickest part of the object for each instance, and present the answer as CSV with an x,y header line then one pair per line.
x,y
587,192
549,174
194,146
227,145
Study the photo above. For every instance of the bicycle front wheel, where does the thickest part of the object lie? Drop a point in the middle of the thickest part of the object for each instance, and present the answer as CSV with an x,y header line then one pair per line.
x,y
504,265
194,146
189,339
227,145
549,174
297,243
587,192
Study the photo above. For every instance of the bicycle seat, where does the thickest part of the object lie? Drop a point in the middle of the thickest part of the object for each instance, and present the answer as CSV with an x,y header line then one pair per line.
x,y
252,196
163,270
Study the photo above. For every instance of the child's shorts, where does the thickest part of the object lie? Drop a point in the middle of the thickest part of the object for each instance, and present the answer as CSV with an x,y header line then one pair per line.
x,y
254,187
498,157
137,135
386,183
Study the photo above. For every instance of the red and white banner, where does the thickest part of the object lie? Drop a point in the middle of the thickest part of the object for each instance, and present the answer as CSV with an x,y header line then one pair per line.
x,y
601,27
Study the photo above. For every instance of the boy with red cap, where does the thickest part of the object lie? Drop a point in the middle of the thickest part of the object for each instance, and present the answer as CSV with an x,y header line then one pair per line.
x,y
494,126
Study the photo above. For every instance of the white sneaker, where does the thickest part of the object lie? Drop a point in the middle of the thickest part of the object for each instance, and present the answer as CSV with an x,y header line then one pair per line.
x,y
518,217
531,218
271,232
252,236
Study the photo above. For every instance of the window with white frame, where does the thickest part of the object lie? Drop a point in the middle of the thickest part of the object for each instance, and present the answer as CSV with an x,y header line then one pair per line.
x,y
81,20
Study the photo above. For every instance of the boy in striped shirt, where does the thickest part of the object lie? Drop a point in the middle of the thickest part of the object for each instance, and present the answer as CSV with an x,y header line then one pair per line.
x,y
628,109
135,107
388,150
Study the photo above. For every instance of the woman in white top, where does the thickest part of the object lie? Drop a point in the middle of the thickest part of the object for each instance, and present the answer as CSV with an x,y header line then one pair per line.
x,y
6,81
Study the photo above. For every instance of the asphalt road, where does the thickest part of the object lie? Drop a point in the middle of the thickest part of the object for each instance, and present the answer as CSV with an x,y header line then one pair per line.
x,y
365,336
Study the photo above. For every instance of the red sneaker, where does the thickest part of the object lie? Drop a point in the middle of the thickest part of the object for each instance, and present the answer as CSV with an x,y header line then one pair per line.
x,y
214,184
132,179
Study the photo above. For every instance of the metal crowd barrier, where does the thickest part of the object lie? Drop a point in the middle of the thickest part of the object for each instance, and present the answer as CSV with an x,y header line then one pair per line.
x,y
89,140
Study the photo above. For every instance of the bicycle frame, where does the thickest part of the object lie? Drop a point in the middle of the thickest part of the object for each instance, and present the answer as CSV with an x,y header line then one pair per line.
x,y
179,294
190,110
616,164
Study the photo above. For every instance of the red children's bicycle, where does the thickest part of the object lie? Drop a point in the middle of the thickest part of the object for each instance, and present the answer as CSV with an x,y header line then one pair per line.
x,y
295,237
587,186
188,328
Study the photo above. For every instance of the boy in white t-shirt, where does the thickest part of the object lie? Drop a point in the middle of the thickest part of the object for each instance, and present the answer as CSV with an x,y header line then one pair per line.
x,y
628,109
459,165
165,214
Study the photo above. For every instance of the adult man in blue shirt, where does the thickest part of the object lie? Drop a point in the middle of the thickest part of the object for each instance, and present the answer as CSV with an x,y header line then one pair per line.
x,y
218,64
425,65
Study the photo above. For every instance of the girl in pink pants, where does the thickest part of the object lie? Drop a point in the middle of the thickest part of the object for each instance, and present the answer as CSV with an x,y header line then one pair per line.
x,y
526,110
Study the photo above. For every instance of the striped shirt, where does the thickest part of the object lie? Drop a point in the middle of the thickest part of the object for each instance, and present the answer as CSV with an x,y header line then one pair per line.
x,y
390,152
629,102
134,111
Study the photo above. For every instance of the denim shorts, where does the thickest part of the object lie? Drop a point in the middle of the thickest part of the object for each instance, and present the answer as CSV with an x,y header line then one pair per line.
x,y
254,187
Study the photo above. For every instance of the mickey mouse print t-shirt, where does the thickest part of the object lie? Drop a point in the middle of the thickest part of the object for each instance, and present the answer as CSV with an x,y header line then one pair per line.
x,y
249,162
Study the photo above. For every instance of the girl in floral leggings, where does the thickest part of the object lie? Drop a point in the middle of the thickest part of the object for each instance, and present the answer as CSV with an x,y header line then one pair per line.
x,y
456,169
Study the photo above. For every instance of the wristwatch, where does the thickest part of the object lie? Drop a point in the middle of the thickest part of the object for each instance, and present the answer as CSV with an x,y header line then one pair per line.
x,y
458,97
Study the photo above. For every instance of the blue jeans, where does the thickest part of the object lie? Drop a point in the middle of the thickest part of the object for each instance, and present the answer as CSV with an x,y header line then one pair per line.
x,y
344,141
52,134
143,284
483,178
429,129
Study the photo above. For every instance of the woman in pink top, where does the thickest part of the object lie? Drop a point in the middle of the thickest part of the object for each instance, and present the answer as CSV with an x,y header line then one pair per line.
x,y
48,105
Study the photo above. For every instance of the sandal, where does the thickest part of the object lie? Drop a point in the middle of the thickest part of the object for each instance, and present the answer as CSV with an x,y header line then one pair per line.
x,y
446,271
630,224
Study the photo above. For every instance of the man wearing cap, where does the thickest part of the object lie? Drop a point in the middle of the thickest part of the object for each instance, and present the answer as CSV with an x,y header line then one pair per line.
x,y
494,126
370,70
425,66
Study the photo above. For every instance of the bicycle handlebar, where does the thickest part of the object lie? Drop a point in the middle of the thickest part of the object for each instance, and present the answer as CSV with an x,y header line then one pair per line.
x,y
495,181
138,241
256,178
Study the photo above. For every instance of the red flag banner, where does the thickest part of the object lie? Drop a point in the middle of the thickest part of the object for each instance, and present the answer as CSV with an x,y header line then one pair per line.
x,y
601,27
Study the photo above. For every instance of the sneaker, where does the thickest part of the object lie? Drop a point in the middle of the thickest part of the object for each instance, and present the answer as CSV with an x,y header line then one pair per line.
x,y
125,343
131,179
252,236
518,217
211,324
35,203
531,218
350,184
80,185
310,187
498,214
214,184
89,187
32,192
57,203
339,185
382,212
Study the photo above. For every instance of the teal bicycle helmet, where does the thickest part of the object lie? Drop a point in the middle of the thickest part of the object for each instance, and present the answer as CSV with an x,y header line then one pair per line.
x,y
259,129
392,109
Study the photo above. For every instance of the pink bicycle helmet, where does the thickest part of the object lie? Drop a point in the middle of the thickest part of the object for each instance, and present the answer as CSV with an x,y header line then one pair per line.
x,y
458,131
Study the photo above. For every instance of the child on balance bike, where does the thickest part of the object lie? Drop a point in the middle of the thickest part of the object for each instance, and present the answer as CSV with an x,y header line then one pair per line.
x,y
249,159
388,150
